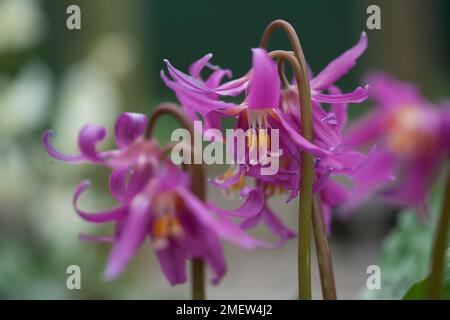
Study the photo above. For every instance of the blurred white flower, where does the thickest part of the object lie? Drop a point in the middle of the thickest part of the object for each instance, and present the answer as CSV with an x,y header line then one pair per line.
x,y
24,100
22,24
88,95
116,53
15,175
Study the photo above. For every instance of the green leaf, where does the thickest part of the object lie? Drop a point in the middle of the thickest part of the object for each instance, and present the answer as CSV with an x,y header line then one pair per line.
x,y
419,290
405,254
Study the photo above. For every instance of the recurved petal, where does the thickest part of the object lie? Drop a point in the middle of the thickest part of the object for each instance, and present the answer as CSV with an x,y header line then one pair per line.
x,y
340,66
128,127
88,138
187,81
100,217
196,101
251,206
227,182
216,77
118,183
197,66
339,109
55,153
358,95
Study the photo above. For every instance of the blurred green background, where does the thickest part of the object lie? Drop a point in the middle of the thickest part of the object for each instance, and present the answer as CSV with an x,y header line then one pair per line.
x,y
52,77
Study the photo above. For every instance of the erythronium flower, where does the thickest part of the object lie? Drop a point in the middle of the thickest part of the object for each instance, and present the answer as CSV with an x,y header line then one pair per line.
x,y
262,85
263,101
266,106
411,135
154,202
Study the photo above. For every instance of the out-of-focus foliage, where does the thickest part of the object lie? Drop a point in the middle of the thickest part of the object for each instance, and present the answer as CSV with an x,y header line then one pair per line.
x,y
419,290
406,253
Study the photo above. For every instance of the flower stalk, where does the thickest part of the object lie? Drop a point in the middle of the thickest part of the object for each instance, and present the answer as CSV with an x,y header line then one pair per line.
x,y
323,252
299,67
440,246
306,177
197,186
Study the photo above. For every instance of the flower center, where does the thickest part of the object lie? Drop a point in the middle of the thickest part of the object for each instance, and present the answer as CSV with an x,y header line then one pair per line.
x,y
231,172
410,131
258,138
166,224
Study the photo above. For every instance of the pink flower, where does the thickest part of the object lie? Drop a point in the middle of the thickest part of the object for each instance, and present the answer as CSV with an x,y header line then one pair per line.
x,y
154,202
411,137
267,106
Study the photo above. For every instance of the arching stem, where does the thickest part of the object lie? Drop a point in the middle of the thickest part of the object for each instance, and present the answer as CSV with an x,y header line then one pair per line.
x,y
306,177
321,239
197,174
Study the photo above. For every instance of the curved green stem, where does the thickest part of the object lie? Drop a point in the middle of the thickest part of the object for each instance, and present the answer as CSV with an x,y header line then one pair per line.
x,y
197,185
323,252
300,69
306,177
440,246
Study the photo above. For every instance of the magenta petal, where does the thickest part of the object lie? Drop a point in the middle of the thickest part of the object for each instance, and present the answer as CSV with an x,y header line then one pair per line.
x,y
55,153
298,138
334,194
233,88
117,183
187,81
173,263
88,138
132,235
276,225
372,176
128,127
196,68
194,100
101,217
365,130
415,183
222,183
319,184
220,225
216,77
216,260
358,95
264,91
212,120
251,206
339,109
251,221
340,66
390,93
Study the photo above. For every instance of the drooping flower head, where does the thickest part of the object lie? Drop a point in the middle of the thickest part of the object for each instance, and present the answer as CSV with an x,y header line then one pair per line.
x,y
266,105
411,138
154,202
